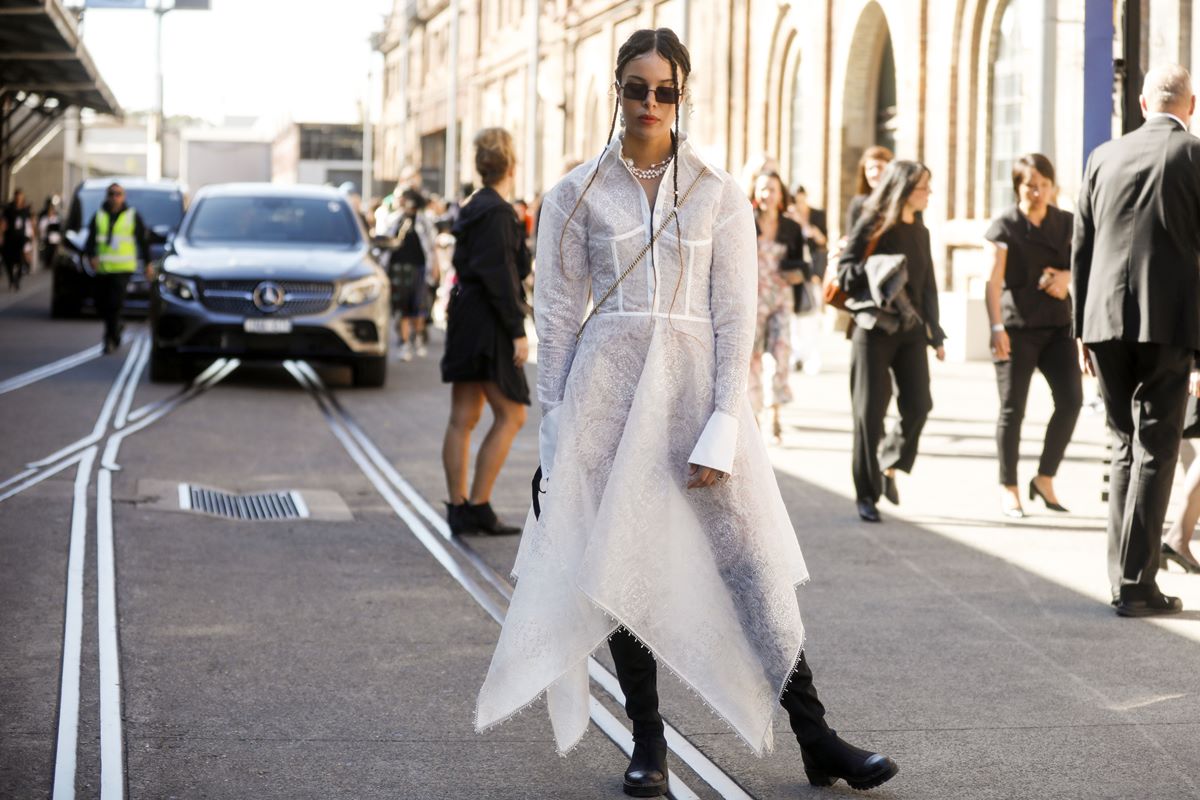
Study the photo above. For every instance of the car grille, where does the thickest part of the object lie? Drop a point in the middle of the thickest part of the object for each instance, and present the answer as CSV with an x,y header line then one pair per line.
x,y
237,297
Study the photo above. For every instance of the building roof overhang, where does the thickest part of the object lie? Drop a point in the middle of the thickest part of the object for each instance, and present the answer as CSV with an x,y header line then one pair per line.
x,y
42,53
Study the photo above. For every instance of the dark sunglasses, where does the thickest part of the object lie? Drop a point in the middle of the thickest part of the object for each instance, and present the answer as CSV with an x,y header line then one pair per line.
x,y
667,95
112,193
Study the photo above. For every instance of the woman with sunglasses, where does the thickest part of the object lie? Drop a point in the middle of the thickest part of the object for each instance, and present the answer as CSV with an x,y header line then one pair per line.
x,y
661,529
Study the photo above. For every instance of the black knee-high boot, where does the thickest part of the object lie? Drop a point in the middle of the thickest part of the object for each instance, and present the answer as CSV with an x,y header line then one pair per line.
x,y
638,676
826,757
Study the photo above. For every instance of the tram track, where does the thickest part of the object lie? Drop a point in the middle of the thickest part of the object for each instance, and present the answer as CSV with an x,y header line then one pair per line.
x,y
474,574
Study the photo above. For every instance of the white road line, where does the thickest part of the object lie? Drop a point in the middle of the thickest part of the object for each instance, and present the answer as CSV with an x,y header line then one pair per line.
x,y
40,476
113,445
112,761
106,409
696,760
67,742
203,379
131,387
185,497
53,368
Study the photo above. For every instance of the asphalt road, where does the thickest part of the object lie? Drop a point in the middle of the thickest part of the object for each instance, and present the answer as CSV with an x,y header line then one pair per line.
x,y
152,652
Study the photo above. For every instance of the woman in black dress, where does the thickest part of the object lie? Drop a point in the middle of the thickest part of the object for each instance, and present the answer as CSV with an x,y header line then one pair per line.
x,y
895,322
486,349
1031,326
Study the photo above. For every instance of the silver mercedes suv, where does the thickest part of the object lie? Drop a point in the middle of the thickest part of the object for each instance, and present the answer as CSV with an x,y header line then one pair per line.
x,y
271,272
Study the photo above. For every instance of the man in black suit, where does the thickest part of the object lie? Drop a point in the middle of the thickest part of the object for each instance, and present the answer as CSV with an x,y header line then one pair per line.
x,y
1136,275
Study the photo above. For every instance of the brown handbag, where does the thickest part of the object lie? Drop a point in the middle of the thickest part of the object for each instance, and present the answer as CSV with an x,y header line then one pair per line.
x,y
835,295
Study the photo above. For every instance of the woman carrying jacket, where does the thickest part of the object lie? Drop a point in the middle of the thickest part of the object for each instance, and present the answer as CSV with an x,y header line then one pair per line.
x,y
889,342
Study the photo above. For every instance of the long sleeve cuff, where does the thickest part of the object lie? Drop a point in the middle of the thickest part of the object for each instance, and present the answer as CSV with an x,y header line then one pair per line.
x,y
548,440
717,443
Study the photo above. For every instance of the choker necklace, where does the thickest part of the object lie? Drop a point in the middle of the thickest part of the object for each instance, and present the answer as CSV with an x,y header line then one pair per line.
x,y
649,173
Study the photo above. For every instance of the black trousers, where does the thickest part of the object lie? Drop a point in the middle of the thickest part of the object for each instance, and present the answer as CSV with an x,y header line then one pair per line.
x,y
875,360
1145,395
638,675
110,299
1053,351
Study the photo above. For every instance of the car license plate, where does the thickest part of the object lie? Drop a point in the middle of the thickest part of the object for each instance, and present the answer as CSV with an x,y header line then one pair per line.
x,y
267,326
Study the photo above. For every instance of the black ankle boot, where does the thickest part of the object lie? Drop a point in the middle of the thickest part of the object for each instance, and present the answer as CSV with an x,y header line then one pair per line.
x,y
830,758
460,519
486,521
647,773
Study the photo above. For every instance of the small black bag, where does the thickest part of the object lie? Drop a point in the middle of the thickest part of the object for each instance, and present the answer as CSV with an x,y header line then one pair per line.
x,y
537,489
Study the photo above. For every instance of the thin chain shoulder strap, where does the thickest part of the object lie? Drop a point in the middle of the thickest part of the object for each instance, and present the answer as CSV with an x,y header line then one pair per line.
x,y
662,226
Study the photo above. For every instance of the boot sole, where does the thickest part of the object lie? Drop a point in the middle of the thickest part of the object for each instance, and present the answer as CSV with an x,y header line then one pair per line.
x,y
651,790
870,782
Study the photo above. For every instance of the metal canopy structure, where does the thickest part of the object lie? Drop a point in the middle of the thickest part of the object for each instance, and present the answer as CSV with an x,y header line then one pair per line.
x,y
44,70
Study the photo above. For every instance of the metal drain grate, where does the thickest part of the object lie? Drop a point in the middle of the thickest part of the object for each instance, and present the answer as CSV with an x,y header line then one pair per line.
x,y
258,506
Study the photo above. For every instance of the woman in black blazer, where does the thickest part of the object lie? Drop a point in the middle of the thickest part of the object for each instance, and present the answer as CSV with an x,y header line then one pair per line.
x,y
1031,326
781,266
889,343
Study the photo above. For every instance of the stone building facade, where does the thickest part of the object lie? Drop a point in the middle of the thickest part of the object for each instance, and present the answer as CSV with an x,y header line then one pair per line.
x,y
963,85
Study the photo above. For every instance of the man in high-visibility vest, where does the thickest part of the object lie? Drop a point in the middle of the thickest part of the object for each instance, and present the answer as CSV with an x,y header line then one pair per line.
x,y
116,240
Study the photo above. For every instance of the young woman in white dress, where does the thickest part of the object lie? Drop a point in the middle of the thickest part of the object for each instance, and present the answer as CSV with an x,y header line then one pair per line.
x,y
661,527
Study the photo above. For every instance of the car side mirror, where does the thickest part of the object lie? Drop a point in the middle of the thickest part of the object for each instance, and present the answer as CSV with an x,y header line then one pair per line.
x,y
160,234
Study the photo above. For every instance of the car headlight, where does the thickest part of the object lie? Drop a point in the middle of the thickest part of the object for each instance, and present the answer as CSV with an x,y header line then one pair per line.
x,y
182,288
363,290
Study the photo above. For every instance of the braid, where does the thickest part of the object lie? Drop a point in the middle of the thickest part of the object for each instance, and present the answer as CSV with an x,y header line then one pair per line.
x,y
611,127
675,189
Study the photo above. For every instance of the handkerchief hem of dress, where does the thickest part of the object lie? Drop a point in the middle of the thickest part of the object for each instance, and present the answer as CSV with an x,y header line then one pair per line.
x,y
705,579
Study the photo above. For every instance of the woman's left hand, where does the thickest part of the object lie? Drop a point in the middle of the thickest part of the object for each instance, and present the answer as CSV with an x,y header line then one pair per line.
x,y
1058,283
941,353
703,477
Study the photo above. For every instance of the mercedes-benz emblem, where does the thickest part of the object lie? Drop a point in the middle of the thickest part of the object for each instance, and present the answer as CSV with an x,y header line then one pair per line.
x,y
269,296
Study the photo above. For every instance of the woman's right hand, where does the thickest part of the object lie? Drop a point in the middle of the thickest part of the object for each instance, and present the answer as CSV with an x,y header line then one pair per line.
x,y
1001,346
520,351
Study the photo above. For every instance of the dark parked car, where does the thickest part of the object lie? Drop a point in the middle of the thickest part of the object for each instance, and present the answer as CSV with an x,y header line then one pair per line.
x,y
272,272
161,205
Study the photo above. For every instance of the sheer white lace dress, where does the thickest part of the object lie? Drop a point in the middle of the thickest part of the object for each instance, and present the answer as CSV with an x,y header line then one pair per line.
x,y
705,578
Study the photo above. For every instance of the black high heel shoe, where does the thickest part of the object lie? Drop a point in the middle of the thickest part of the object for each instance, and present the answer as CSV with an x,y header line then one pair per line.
x,y
1171,554
1035,493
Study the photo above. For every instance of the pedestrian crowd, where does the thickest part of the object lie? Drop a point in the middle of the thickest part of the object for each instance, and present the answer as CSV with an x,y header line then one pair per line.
x,y
654,488
28,240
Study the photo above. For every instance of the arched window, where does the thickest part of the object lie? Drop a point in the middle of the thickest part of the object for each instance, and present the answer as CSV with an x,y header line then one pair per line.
x,y
886,108
800,121
1009,94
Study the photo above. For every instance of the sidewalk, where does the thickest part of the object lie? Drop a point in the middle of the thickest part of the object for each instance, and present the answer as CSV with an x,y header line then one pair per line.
x,y
953,488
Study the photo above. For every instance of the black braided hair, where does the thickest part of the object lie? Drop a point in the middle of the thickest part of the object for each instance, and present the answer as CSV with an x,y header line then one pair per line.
x,y
664,42
675,189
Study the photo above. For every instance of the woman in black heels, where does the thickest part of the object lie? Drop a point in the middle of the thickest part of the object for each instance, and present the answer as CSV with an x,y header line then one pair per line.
x,y
1031,326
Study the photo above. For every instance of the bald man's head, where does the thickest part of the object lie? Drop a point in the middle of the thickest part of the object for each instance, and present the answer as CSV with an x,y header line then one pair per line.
x,y
1168,89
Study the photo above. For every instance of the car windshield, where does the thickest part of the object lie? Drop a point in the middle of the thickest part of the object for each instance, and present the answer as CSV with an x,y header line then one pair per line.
x,y
156,206
293,220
